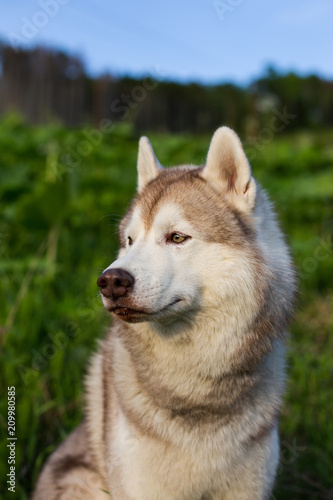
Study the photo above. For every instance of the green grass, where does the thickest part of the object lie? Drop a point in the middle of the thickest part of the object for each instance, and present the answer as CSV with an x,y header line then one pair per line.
x,y
58,229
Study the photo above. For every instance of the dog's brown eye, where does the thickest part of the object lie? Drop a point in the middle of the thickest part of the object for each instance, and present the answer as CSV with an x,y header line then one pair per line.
x,y
130,241
177,238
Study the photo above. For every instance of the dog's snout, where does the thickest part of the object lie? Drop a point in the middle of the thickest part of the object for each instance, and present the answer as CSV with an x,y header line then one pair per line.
x,y
115,283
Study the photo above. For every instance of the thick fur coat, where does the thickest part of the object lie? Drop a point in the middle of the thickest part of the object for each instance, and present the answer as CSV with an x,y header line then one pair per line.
x,y
183,396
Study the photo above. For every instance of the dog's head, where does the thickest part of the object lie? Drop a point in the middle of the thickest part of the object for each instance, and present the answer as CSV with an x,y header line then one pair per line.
x,y
191,243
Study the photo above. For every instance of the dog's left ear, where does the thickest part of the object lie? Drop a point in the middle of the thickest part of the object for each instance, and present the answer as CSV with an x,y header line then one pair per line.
x,y
228,171
148,165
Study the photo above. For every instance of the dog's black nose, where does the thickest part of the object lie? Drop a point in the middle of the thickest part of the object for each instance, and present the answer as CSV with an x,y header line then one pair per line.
x,y
115,283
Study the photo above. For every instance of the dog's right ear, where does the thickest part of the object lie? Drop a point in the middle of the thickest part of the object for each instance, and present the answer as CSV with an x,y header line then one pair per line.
x,y
148,165
228,170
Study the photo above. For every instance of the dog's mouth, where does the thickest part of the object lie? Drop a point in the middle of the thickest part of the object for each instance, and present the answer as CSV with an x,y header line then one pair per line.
x,y
135,315
128,314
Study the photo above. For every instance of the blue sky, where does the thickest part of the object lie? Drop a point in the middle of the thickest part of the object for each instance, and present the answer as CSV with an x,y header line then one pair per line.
x,y
203,40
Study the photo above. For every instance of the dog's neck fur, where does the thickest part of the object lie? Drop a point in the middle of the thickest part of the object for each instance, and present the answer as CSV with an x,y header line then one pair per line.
x,y
176,376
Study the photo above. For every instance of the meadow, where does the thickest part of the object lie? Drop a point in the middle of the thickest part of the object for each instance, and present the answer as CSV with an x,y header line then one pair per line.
x,y
61,198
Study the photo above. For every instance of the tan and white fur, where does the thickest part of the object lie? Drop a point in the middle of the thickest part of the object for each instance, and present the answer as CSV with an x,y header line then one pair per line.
x,y
184,393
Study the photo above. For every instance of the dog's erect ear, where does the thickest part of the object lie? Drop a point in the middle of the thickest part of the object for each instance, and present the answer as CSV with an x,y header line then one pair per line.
x,y
148,164
228,171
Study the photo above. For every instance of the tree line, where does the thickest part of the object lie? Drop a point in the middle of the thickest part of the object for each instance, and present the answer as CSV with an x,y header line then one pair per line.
x,y
46,85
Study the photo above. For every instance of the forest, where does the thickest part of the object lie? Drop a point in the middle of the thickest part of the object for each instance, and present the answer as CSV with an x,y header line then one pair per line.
x,y
46,85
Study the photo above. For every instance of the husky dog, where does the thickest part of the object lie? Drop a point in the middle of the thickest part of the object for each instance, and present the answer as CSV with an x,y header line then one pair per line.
x,y
184,394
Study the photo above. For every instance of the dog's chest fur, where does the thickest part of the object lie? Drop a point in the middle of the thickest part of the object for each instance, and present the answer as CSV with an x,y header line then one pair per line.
x,y
189,429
